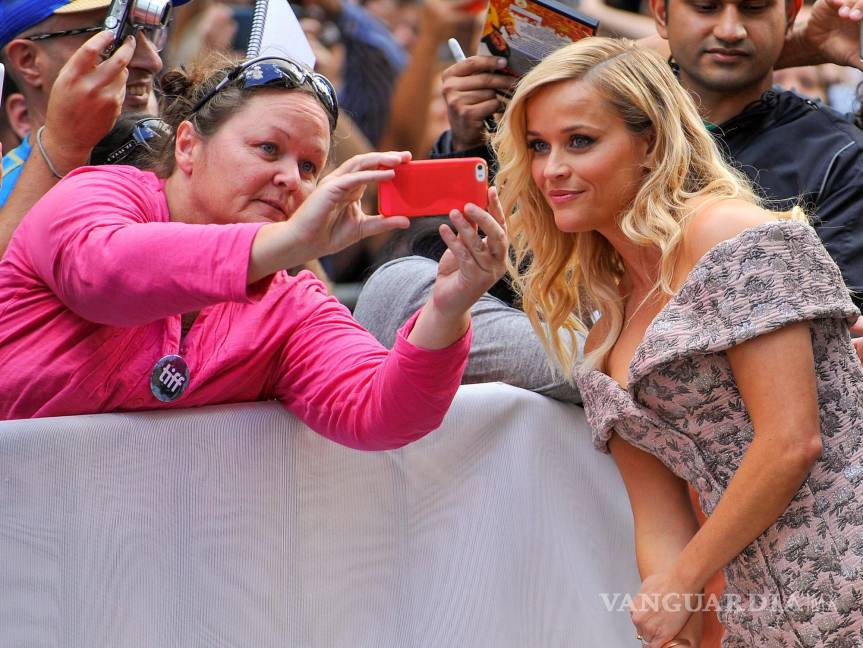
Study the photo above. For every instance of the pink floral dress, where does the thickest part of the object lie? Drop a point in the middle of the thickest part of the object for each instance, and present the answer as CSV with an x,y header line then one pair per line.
x,y
799,584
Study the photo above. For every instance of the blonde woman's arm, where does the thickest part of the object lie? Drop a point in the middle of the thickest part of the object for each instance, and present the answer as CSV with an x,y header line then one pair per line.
x,y
775,376
663,516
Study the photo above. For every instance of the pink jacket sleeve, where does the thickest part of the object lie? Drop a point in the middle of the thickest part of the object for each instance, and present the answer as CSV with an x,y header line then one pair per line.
x,y
102,242
342,383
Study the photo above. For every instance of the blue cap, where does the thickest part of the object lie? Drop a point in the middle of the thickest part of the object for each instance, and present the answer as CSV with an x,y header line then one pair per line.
x,y
17,16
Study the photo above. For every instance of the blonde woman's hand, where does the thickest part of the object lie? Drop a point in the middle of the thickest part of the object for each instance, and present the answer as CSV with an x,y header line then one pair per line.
x,y
680,643
662,608
470,266
691,634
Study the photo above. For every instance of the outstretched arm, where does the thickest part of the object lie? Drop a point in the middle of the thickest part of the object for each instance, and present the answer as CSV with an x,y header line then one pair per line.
x,y
332,218
663,517
343,384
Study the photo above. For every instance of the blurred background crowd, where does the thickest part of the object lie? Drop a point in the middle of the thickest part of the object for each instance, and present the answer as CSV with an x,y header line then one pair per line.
x,y
386,58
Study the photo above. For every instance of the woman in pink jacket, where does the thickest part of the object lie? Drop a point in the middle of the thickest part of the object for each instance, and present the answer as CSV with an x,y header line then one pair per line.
x,y
131,290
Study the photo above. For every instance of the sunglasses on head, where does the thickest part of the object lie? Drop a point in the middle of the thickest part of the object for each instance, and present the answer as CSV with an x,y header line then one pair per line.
x,y
145,133
278,72
157,35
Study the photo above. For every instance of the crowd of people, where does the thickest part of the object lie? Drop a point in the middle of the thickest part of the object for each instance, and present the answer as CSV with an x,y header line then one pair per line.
x,y
672,240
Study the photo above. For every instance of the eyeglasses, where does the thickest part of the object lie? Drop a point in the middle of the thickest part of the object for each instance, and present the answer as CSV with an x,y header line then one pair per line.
x,y
156,34
271,71
145,133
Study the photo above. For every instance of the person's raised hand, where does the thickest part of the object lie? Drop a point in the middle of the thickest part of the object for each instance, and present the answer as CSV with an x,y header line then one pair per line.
x,y
217,27
332,218
472,262
86,100
327,61
830,31
470,91
332,8
441,18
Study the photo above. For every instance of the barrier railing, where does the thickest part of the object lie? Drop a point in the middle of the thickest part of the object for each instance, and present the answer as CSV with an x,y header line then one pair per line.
x,y
238,526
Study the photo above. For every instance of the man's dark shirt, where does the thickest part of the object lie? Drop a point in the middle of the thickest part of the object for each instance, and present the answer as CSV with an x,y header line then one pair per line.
x,y
795,151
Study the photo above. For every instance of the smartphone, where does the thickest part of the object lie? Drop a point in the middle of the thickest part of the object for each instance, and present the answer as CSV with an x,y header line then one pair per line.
x,y
434,187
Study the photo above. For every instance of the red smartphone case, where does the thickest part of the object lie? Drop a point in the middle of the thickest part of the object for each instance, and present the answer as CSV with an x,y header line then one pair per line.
x,y
434,187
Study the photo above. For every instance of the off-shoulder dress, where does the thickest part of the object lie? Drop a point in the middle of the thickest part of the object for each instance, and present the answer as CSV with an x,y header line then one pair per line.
x,y
682,405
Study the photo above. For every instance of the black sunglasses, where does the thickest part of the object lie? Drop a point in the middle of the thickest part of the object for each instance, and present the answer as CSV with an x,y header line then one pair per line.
x,y
272,71
156,34
145,133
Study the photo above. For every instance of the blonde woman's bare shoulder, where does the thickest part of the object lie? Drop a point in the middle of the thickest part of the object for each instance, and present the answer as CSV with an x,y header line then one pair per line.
x,y
716,221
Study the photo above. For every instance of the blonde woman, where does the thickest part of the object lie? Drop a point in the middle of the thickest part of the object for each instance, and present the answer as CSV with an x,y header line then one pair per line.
x,y
721,356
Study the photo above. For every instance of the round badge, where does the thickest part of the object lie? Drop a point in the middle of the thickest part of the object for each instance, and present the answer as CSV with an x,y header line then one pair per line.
x,y
170,378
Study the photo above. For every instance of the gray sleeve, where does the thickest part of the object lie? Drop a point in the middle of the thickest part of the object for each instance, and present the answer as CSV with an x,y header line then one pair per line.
x,y
505,347
392,294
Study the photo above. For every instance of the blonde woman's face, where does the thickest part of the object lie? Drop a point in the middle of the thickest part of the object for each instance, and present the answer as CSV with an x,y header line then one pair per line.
x,y
585,161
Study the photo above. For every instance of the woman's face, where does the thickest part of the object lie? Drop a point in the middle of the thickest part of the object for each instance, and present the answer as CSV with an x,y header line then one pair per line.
x,y
585,161
262,163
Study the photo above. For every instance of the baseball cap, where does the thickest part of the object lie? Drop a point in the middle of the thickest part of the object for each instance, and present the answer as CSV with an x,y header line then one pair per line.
x,y
17,16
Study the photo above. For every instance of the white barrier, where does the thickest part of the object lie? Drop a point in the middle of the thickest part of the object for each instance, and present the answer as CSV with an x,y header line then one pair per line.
x,y
238,526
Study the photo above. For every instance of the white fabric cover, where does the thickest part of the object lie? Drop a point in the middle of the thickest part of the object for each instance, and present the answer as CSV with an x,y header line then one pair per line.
x,y
238,526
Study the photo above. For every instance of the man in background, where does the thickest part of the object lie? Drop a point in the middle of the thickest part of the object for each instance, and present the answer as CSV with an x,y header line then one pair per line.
x,y
71,93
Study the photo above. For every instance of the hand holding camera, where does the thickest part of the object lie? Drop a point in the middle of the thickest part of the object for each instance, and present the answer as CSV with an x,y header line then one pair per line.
x,y
86,100
125,17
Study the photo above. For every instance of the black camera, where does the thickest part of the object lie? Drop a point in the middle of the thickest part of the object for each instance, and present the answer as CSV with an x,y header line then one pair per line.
x,y
124,15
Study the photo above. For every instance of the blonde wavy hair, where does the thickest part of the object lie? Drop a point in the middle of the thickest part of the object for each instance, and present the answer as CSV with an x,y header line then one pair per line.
x,y
563,277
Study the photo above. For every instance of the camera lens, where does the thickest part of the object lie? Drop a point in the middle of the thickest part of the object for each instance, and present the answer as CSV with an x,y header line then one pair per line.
x,y
152,13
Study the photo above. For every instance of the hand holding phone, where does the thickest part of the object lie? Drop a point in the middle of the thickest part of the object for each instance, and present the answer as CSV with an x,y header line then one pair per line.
x,y
474,260
434,187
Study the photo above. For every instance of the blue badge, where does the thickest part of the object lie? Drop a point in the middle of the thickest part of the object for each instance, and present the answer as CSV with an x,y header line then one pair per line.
x,y
170,378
